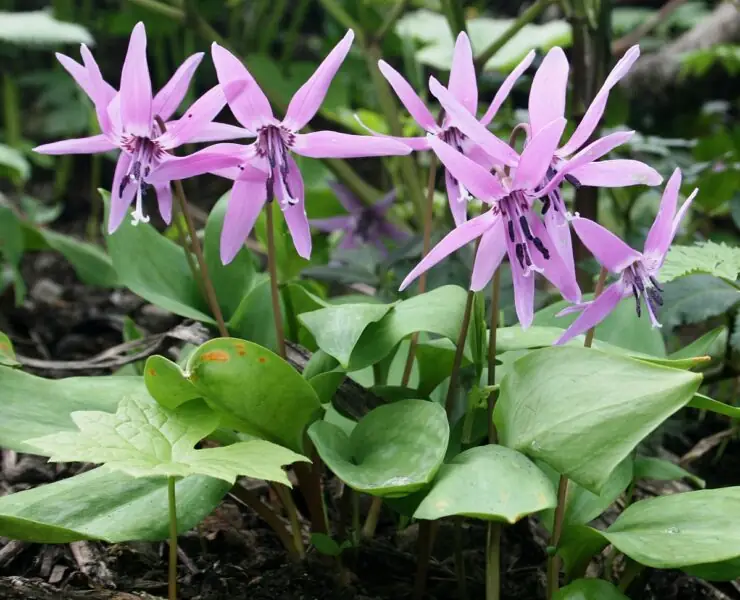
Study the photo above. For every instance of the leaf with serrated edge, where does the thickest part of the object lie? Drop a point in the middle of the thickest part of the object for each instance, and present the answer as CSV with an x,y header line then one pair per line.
x,y
711,258
144,439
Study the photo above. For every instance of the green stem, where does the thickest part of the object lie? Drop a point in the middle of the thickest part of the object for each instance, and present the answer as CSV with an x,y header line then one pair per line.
x,y
286,498
371,521
274,293
459,351
391,19
462,584
553,562
94,222
455,14
270,29
172,572
630,573
291,35
425,541
161,8
525,18
493,561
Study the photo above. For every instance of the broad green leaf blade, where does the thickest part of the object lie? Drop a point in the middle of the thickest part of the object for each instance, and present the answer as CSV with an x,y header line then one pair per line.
x,y
578,545
106,505
695,298
393,451
490,482
92,265
719,260
338,328
155,268
648,467
33,406
582,411
254,319
7,353
439,311
589,589
621,328
435,359
232,282
680,530
700,346
40,28
166,383
144,439
258,390
703,402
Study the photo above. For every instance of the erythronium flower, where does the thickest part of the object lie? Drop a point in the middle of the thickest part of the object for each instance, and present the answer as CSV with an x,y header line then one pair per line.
x,y
637,272
129,121
547,102
274,172
509,227
464,88
364,224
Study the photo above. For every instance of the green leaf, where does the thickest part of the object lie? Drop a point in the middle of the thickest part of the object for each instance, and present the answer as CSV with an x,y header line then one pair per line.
x,y
700,346
232,282
679,530
12,245
144,439
105,505
338,328
154,268
33,406
695,298
719,260
40,28
726,570
7,353
490,482
165,382
647,467
393,451
578,544
13,159
275,403
702,402
439,311
589,589
609,403
325,544
435,359
254,319
92,265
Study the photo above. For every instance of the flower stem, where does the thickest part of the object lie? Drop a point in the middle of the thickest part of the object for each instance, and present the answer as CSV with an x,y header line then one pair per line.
x,y
462,584
295,527
371,521
553,563
391,18
172,572
426,244
493,561
272,268
425,541
459,350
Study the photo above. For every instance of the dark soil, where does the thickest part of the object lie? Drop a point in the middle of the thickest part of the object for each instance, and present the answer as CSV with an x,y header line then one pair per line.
x,y
234,554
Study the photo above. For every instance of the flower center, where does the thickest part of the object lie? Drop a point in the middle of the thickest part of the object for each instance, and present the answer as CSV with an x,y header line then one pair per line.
x,y
145,155
644,285
273,142
555,199
455,138
514,209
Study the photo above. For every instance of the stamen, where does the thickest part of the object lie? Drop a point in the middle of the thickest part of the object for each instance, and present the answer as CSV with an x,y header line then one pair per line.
x,y
655,283
541,247
638,308
545,204
520,255
573,181
512,237
655,296
525,228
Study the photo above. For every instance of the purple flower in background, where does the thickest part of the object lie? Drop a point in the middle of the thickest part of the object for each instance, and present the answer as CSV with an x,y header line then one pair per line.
x,y
128,121
464,88
510,227
268,169
638,272
547,102
364,224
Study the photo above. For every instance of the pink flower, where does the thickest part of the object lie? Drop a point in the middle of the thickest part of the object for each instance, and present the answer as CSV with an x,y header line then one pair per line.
x,y
128,121
637,271
268,169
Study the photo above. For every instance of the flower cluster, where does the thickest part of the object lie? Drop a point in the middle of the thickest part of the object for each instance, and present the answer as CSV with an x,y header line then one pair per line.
x,y
525,218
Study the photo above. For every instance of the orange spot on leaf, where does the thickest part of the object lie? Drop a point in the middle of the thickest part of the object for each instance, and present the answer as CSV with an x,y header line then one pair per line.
x,y
263,360
152,372
216,356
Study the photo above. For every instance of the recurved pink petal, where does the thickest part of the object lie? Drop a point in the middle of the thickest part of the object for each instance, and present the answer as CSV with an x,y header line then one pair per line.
x,y
470,126
457,197
245,203
594,313
102,93
331,144
307,100
503,92
251,107
547,94
559,268
463,83
164,200
87,145
619,172
537,155
660,235
136,86
119,203
406,94
681,214
207,160
596,109
606,247
489,256
217,132
558,227
295,211
453,241
168,99
477,180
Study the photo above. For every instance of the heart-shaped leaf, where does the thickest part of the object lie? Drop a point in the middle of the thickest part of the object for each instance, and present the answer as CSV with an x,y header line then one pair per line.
x,y
583,411
106,505
394,450
680,530
260,393
144,439
489,482
166,383
589,589
92,265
